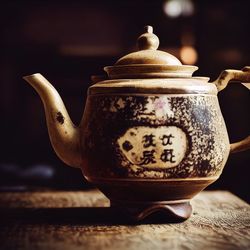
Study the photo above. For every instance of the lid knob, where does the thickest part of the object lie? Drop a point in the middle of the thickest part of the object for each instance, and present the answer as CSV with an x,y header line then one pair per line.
x,y
148,62
148,40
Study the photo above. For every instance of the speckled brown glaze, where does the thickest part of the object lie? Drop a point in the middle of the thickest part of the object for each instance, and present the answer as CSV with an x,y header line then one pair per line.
x,y
123,139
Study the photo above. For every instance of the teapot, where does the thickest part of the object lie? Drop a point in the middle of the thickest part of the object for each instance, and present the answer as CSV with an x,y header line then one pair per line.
x,y
152,136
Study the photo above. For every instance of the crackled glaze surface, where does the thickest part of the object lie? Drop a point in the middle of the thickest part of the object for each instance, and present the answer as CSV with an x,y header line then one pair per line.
x,y
160,136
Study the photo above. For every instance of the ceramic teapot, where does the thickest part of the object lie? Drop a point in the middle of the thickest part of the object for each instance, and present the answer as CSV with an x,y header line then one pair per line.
x,y
151,137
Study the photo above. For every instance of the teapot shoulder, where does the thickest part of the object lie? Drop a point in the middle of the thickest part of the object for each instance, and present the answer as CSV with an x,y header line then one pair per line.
x,y
194,85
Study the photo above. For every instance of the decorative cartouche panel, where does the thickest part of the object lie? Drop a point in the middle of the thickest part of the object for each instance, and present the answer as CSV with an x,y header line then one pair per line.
x,y
162,136
153,148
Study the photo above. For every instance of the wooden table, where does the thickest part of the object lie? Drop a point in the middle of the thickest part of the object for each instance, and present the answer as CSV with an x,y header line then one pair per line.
x,y
83,220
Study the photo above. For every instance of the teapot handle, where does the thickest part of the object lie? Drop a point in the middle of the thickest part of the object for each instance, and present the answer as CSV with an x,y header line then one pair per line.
x,y
221,82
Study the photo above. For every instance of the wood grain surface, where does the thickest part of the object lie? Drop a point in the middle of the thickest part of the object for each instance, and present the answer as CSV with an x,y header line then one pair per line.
x,y
83,220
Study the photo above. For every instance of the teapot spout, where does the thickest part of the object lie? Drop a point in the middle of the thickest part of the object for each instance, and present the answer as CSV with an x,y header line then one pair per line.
x,y
64,135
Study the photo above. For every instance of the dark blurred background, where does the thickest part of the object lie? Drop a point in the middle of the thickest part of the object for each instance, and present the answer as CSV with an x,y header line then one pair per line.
x,y
68,41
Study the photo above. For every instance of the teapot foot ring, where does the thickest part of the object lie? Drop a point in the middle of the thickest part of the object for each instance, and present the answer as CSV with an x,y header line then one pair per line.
x,y
174,211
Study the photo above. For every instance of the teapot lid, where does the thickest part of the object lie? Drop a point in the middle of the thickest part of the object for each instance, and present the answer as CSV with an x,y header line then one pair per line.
x,y
149,62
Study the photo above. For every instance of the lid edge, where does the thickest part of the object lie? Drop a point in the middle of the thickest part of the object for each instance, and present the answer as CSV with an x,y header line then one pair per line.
x,y
150,71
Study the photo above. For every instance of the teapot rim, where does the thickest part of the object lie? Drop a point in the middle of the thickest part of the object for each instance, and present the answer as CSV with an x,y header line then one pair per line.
x,y
192,85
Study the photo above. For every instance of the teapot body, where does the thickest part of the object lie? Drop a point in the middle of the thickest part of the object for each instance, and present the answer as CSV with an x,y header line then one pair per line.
x,y
152,136
165,135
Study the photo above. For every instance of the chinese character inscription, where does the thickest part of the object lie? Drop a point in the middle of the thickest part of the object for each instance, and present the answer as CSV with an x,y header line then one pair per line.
x,y
148,140
162,147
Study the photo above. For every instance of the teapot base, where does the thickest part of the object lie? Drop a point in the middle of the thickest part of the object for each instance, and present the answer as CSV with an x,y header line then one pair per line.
x,y
139,199
169,211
